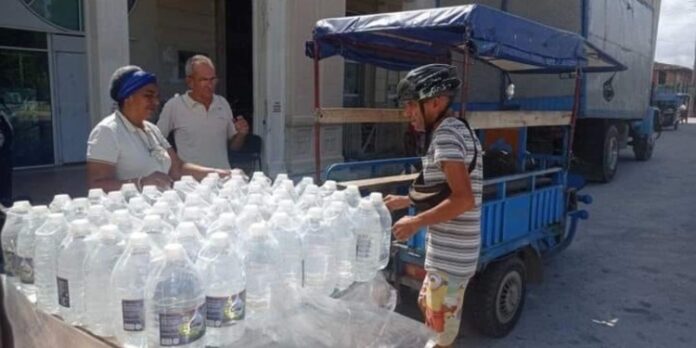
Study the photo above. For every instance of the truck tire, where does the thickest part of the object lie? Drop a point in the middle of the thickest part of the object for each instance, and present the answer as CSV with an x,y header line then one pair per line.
x,y
610,155
498,297
643,147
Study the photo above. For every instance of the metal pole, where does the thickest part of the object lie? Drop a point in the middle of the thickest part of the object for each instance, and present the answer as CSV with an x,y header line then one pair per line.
x,y
574,115
465,83
317,126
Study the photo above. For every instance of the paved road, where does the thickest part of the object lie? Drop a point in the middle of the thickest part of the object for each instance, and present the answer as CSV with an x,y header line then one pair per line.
x,y
629,279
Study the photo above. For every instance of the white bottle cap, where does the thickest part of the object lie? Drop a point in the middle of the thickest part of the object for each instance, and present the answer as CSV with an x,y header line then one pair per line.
x,y
80,227
170,195
152,219
39,210
56,216
62,198
308,180
96,209
220,239
365,204
376,197
188,179
115,195
150,189
315,213
228,218
311,189
94,193
339,196
353,189
80,202
139,239
187,228
129,186
330,184
121,214
174,251
179,185
257,230
213,175
109,232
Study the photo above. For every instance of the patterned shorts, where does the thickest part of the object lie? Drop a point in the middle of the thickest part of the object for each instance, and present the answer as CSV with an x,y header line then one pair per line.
x,y
441,299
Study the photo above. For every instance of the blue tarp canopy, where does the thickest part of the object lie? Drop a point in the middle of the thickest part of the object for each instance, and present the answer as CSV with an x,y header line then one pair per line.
x,y
405,40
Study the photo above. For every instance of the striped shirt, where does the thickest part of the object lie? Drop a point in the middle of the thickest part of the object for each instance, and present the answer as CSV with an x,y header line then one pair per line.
x,y
453,246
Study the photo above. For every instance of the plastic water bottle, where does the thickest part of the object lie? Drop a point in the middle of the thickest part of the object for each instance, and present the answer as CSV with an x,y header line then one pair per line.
x,y
172,199
211,185
279,179
327,189
189,237
129,190
126,223
311,189
309,200
48,239
219,206
194,199
341,227
99,264
319,261
163,210
227,223
182,189
302,185
96,196
260,267
14,222
25,248
385,220
198,217
98,216
77,209
352,196
256,187
250,214
157,230
225,291
261,179
286,231
368,238
205,193
60,203
115,201
70,275
175,300
151,194
137,206
128,281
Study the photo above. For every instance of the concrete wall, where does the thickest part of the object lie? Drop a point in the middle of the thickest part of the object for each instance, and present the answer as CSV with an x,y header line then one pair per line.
x,y
159,29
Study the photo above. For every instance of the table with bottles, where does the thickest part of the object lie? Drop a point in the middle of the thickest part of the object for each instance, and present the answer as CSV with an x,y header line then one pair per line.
x,y
220,262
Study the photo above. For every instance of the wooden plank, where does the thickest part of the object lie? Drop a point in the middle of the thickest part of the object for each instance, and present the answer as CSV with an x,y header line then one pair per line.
x,y
360,115
477,119
385,181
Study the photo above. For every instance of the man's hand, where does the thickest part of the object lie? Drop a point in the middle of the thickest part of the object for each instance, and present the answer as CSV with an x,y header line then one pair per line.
x,y
394,203
406,227
223,173
241,125
159,179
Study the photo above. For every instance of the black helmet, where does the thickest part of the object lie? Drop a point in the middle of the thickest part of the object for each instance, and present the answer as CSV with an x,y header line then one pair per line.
x,y
429,81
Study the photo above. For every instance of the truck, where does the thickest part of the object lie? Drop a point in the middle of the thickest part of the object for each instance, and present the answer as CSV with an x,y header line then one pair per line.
x,y
615,111
671,106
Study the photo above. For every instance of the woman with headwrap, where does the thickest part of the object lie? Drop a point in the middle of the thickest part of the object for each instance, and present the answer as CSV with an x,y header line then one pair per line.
x,y
126,148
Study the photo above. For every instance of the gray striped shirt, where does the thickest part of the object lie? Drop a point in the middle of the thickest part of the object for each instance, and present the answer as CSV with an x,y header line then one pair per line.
x,y
453,246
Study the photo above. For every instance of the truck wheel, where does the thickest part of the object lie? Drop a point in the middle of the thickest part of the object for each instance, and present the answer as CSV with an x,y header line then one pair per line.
x,y
643,148
610,158
499,297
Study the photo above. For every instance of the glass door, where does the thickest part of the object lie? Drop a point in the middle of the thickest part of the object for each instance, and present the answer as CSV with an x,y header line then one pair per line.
x,y
25,95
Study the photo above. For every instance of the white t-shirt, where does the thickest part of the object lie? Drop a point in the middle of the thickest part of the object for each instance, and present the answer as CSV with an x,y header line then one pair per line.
x,y
133,151
201,135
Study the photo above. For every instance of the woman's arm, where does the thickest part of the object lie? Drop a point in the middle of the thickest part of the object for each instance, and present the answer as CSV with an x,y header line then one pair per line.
x,y
103,176
461,199
180,168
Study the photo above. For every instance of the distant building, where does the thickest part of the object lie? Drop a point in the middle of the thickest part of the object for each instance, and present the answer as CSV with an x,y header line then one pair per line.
x,y
673,77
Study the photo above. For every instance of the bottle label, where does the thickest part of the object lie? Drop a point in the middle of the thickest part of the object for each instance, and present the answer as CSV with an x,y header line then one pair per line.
x,y
182,328
63,292
10,263
133,315
26,270
362,246
225,311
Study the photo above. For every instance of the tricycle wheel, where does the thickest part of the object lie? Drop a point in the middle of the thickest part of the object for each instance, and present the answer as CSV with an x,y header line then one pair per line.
x,y
643,147
499,297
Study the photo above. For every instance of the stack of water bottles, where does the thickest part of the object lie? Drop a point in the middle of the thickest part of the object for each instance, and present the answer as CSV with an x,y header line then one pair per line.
x,y
196,265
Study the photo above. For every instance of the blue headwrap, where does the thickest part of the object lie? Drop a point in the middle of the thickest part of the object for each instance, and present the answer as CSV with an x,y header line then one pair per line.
x,y
132,82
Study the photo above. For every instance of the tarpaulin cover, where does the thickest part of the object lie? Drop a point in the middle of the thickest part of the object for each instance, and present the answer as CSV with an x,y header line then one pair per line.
x,y
404,40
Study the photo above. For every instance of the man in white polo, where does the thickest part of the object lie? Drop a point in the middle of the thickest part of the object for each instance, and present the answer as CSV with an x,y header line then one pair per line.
x,y
202,121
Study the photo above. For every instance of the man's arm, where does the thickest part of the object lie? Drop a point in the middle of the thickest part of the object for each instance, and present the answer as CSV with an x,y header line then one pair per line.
x,y
180,168
166,119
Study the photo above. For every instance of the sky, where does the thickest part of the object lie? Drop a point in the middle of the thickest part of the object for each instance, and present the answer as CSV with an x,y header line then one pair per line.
x,y
676,33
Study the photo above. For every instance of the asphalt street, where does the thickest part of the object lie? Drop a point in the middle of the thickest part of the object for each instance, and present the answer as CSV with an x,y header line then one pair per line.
x,y
629,278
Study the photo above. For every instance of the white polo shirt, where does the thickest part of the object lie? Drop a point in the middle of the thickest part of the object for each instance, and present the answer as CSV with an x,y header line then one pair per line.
x,y
201,135
133,151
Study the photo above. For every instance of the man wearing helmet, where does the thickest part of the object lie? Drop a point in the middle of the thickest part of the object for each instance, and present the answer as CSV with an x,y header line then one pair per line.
x,y
451,164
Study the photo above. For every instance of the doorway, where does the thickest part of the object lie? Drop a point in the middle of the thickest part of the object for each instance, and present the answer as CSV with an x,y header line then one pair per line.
x,y
239,52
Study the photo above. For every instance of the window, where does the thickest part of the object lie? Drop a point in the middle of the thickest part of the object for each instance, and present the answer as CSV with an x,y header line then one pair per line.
x,y
63,13
661,77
